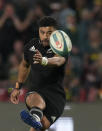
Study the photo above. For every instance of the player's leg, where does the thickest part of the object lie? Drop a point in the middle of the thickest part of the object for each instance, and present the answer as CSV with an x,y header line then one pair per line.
x,y
35,100
36,105
45,122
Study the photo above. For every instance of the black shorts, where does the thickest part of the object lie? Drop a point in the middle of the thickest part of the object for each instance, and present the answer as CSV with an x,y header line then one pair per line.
x,y
54,104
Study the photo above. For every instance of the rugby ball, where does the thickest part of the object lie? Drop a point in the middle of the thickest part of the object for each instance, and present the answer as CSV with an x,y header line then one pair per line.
x,y
60,43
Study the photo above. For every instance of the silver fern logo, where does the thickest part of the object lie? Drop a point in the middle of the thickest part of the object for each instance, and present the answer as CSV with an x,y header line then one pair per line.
x,y
32,48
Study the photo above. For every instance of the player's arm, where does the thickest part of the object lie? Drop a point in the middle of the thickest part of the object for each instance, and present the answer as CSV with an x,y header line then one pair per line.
x,y
24,69
54,61
23,72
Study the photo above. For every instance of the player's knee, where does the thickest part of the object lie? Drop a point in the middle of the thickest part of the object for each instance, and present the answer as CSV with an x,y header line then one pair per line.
x,y
35,100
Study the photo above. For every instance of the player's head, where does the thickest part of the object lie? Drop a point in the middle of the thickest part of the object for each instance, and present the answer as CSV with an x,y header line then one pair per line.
x,y
47,25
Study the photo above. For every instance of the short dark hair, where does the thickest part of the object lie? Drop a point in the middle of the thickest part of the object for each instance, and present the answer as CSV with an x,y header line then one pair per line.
x,y
48,21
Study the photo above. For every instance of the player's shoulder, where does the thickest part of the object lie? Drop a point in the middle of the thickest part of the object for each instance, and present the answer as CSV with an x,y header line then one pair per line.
x,y
32,42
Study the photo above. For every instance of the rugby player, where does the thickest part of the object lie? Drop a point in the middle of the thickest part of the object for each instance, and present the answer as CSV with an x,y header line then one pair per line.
x,y
46,100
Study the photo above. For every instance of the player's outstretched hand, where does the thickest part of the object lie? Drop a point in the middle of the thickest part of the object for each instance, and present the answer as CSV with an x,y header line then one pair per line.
x,y
14,97
37,57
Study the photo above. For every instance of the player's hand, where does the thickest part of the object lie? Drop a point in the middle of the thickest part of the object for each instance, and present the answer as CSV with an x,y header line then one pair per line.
x,y
37,57
14,97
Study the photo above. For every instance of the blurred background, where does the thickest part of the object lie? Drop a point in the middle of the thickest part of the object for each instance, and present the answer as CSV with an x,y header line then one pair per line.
x,y
82,21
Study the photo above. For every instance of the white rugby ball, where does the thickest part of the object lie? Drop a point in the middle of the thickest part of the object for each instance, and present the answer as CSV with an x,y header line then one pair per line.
x,y
60,43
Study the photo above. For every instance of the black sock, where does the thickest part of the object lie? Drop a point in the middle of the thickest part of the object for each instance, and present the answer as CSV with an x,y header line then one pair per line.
x,y
36,113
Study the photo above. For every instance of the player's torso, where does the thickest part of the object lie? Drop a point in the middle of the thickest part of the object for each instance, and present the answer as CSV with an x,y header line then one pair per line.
x,y
44,75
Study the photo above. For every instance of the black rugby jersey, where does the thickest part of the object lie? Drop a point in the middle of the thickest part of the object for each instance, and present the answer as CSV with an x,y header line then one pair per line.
x,y
43,77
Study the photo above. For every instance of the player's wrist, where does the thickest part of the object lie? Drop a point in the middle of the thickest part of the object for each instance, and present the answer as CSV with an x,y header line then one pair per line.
x,y
19,85
44,61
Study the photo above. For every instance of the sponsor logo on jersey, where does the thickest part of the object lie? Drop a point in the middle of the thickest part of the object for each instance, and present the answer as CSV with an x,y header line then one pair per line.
x,y
32,48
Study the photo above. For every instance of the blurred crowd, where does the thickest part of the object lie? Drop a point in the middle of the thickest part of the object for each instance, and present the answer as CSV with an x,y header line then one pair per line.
x,y
80,19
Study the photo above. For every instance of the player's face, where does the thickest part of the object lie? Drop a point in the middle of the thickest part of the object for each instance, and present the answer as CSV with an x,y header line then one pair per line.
x,y
44,34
